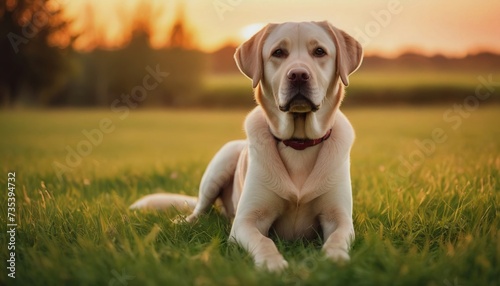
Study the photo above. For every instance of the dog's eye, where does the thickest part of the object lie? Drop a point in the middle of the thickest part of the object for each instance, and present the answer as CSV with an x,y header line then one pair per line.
x,y
279,53
319,52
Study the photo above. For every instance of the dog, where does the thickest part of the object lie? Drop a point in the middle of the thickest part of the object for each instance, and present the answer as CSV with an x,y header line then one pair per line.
x,y
291,176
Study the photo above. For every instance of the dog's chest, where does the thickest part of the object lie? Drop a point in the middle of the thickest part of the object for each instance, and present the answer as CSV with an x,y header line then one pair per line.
x,y
299,219
299,164
296,222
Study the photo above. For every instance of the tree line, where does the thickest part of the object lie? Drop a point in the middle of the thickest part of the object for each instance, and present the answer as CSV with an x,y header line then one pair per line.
x,y
40,67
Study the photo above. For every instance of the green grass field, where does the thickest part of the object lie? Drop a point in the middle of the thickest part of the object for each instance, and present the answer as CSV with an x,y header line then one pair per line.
x,y
426,200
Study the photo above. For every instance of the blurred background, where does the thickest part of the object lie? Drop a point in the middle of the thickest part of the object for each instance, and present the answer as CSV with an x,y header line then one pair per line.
x,y
56,53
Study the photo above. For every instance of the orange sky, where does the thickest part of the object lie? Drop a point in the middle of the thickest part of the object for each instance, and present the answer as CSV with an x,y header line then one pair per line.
x,y
386,27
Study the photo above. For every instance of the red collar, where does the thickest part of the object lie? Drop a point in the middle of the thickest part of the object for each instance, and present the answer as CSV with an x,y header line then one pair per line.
x,y
301,144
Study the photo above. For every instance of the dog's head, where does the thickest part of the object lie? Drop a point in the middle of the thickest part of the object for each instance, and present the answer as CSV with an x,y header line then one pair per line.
x,y
296,67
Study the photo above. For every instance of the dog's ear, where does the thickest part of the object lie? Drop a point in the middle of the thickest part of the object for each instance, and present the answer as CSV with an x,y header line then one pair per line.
x,y
248,56
349,52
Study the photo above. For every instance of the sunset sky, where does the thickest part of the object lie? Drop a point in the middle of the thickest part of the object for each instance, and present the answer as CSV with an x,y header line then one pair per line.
x,y
385,27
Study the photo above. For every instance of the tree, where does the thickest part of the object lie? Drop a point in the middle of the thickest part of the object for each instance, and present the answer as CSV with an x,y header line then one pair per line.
x,y
32,65
180,37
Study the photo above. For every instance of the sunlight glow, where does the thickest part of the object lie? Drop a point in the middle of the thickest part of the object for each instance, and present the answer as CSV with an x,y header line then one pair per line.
x,y
107,23
249,30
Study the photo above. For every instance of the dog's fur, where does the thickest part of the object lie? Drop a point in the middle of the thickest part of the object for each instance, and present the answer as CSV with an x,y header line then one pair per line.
x,y
298,71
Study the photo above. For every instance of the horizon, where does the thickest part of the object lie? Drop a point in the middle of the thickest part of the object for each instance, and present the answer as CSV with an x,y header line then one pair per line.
x,y
369,54
384,28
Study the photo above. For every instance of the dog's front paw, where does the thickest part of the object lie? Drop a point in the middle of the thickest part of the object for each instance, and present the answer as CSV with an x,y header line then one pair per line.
x,y
192,218
337,255
274,264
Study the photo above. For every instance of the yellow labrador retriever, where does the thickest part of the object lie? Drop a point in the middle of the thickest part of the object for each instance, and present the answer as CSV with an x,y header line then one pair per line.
x,y
291,176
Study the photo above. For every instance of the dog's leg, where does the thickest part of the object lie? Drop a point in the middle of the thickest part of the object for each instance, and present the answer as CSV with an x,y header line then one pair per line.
x,y
257,211
336,217
218,175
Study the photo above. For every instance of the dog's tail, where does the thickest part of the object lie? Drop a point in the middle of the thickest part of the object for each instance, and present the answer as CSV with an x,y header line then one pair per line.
x,y
166,200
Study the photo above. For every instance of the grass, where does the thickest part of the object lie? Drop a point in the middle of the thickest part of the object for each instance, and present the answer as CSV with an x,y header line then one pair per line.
x,y
436,223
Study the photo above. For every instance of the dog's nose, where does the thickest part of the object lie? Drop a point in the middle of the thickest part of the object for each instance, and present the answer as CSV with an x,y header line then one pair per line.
x,y
298,75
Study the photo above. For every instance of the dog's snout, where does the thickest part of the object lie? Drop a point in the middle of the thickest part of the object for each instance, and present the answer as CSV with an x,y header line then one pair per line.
x,y
298,75
298,96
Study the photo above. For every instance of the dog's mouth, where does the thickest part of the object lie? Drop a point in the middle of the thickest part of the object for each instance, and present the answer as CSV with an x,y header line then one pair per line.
x,y
299,104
